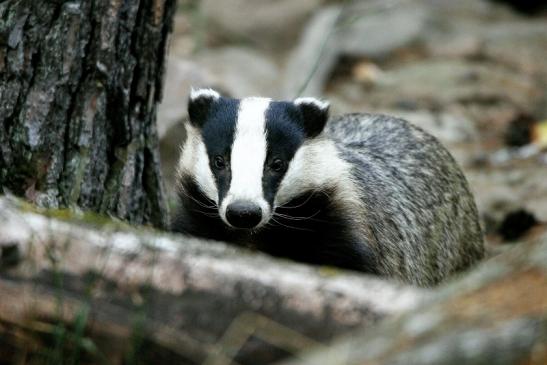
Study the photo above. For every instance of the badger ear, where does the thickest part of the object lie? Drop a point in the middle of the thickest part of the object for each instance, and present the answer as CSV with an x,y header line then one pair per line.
x,y
315,114
199,105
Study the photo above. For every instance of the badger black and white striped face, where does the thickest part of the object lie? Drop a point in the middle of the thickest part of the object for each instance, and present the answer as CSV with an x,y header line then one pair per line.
x,y
239,152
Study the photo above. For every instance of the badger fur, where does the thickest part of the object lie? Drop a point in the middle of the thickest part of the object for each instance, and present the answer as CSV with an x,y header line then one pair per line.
x,y
364,192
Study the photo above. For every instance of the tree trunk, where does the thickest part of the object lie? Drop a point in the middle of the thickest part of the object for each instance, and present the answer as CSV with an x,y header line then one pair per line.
x,y
185,300
80,81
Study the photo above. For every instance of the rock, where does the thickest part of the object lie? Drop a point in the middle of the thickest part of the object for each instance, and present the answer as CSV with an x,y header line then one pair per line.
x,y
452,12
311,61
433,83
502,189
483,29
240,72
482,62
355,30
497,314
180,76
187,34
520,44
454,45
456,29
375,31
268,24
489,94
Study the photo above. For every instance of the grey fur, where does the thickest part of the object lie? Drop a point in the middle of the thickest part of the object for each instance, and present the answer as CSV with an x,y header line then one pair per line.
x,y
420,215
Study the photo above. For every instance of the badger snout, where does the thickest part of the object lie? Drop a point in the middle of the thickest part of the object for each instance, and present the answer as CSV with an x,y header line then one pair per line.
x,y
243,214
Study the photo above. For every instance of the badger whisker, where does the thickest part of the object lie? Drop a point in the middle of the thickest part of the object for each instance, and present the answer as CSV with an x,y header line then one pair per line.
x,y
311,195
286,206
208,214
296,218
214,206
290,227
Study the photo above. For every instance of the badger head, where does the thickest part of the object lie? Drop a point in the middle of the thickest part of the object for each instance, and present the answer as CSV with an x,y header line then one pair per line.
x,y
241,153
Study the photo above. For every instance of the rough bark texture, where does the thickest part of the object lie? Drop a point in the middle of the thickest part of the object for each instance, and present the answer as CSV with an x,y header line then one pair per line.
x,y
79,84
177,296
495,315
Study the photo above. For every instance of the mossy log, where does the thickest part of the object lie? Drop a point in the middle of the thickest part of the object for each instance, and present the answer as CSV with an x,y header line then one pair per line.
x,y
497,314
116,292
80,81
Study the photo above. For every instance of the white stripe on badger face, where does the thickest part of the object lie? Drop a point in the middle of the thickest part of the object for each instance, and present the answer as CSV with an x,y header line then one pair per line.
x,y
194,161
248,157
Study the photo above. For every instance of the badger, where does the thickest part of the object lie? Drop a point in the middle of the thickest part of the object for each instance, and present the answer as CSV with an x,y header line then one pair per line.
x,y
363,192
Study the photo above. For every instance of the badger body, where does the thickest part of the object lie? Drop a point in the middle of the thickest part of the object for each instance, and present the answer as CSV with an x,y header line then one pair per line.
x,y
364,192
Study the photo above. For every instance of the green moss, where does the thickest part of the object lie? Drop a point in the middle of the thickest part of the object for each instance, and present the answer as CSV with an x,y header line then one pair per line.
x,y
329,271
86,218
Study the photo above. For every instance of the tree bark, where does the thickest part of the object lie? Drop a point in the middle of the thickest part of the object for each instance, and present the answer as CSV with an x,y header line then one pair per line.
x,y
80,81
186,300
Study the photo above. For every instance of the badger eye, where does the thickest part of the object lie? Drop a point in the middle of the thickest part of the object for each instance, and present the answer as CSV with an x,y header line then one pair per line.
x,y
219,163
277,165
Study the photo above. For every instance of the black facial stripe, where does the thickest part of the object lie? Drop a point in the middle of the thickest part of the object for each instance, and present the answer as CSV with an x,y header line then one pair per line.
x,y
283,138
218,135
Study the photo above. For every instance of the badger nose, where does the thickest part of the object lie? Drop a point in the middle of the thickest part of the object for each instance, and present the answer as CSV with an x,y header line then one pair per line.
x,y
243,214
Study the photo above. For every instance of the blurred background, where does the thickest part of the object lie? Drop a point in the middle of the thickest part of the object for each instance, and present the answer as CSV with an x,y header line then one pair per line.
x,y
471,72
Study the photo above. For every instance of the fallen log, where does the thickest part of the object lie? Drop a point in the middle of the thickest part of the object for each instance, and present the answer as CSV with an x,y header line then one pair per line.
x,y
95,290
497,314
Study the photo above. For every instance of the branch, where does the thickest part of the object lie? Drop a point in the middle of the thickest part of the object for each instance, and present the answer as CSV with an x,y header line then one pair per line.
x,y
177,294
495,315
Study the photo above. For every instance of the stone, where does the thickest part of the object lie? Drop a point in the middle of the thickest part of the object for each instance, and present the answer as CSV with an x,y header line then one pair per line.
x,y
180,76
521,44
454,46
355,30
487,93
311,61
266,23
375,31
516,185
443,82
241,71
